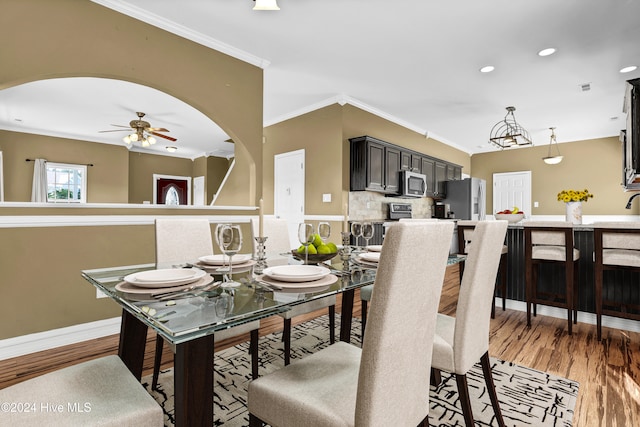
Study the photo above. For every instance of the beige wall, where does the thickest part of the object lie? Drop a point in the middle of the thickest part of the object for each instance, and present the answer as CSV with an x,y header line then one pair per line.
x,y
143,166
324,134
81,38
107,179
593,164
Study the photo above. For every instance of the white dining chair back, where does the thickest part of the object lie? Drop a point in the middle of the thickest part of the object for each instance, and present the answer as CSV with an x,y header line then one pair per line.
x,y
276,230
387,382
182,240
463,340
473,312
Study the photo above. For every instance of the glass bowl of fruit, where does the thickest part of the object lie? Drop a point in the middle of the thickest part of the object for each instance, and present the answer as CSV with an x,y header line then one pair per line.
x,y
512,215
318,251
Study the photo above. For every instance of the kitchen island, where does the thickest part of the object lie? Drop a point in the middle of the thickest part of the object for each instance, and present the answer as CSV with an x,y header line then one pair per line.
x,y
619,285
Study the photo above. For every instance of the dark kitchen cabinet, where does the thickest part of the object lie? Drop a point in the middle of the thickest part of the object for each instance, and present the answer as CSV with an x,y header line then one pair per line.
x,y
631,136
440,173
375,166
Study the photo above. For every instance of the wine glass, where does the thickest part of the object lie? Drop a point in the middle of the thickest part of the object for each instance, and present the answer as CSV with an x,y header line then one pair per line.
x,y
230,237
220,244
356,231
305,236
367,232
324,231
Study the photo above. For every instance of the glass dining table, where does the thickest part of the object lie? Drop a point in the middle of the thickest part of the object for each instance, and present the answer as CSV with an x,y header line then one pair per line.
x,y
188,320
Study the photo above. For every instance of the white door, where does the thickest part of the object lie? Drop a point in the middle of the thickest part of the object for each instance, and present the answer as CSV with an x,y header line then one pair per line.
x,y
288,190
512,189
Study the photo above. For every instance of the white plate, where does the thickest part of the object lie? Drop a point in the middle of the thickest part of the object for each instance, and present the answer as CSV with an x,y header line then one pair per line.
x,y
307,286
224,259
370,256
296,273
137,293
175,279
374,248
165,275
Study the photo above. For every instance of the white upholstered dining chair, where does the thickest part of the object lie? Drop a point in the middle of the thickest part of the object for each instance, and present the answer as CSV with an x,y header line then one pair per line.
x,y
465,237
367,291
462,340
185,240
386,383
277,232
116,397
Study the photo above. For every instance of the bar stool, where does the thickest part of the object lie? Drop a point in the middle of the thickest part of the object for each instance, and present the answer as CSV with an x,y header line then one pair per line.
x,y
550,242
465,235
616,247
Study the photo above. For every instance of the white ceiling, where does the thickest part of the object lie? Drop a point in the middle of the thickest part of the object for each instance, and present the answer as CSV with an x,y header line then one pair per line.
x,y
415,62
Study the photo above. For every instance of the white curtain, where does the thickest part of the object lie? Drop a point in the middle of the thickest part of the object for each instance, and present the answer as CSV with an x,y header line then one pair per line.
x,y
39,187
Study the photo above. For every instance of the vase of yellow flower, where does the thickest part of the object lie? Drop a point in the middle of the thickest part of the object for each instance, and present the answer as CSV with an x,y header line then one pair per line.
x,y
573,202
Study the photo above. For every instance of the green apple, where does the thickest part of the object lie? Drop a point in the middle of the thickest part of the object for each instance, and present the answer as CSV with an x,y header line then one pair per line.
x,y
332,247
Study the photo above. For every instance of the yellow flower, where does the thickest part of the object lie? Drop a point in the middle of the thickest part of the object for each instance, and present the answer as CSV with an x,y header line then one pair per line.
x,y
567,196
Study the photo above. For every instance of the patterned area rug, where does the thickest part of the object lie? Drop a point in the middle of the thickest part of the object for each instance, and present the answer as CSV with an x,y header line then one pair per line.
x,y
527,397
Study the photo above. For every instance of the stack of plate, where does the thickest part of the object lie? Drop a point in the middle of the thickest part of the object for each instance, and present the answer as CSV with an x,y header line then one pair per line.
x,y
298,276
145,284
238,261
370,259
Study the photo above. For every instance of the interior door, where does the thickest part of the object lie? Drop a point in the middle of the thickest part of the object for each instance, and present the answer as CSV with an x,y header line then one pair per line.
x,y
289,190
171,190
512,189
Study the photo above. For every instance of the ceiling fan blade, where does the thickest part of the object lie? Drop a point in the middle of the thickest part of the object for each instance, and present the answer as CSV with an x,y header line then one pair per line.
x,y
121,126
115,130
163,136
157,130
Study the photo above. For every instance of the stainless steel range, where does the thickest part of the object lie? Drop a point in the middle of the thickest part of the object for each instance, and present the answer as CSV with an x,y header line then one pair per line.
x,y
398,210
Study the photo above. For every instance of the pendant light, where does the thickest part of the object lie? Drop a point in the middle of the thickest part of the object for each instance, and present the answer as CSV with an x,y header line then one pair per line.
x,y
508,133
266,5
553,160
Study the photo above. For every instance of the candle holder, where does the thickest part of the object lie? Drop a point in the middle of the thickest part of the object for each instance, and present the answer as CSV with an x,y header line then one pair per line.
x,y
261,257
345,252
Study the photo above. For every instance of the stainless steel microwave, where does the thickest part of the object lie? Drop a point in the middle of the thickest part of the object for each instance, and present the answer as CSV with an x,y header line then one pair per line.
x,y
412,184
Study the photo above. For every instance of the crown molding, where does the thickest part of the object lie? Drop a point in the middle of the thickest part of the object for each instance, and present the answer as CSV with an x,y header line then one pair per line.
x,y
182,31
343,99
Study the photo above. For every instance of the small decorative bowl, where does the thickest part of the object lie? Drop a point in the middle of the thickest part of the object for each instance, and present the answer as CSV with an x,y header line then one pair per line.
x,y
313,258
512,218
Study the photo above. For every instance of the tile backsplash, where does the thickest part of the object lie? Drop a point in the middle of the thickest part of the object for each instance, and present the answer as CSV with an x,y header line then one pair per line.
x,y
368,205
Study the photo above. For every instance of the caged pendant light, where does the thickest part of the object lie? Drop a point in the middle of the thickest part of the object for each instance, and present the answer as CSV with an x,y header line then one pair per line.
x,y
553,160
508,133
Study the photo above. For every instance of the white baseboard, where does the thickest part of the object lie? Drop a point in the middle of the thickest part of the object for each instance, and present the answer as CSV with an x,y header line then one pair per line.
x,y
583,317
32,343
41,341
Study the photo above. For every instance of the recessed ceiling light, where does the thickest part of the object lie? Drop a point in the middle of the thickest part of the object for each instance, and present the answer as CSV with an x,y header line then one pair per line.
x,y
171,149
487,69
628,69
548,51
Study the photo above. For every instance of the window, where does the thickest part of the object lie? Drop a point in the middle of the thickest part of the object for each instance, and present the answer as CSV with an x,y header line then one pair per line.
x,y
66,183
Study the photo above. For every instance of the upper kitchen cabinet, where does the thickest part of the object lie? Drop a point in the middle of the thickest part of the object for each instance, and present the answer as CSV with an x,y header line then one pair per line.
x,y
374,165
631,137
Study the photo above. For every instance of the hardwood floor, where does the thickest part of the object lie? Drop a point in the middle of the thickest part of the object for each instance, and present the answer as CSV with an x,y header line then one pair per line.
x,y
608,372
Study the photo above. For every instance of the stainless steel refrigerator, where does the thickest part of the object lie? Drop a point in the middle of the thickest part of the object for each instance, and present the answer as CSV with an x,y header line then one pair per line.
x,y
467,198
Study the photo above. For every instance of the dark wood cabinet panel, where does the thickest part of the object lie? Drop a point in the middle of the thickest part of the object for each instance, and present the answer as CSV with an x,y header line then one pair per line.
x,y
631,136
376,166
392,170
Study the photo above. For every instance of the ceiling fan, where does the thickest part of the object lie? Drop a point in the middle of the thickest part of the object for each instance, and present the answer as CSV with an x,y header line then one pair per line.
x,y
142,132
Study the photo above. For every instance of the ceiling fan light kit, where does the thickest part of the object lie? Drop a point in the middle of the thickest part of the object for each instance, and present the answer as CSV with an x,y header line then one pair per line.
x,y
508,133
266,5
142,132
553,160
